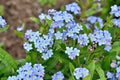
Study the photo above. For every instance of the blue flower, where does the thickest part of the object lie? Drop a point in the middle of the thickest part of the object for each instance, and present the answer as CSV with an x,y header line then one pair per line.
x,y
113,64
72,53
73,7
28,34
118,72
67,17
51,11
110,75
81,73
118,75
2,22
58,16
116,22
118,69
38,70
44,16
57,24
102,38
47,55
108,47
83,39
27,72
12,78
115,10
92,37
19,28
117,57
58,76
94,19
58,35
70,33
27,46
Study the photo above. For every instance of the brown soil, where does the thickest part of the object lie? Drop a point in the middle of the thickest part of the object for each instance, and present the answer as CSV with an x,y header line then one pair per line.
x,y
16,13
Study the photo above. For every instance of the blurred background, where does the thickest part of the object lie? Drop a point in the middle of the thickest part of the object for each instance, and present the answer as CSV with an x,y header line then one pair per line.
x,y
17,12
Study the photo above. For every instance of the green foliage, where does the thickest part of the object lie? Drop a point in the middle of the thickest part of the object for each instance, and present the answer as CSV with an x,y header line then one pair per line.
x,y
4,29
100,72
47,2
8,65
19,34
1,10
60,61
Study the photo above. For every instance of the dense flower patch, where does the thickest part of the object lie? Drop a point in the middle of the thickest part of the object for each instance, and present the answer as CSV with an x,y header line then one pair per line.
x,y
68,49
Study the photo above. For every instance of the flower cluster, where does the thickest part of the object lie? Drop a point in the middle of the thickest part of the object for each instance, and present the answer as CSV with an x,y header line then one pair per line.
x,y
41,43
60,20
93,19
58,76
115,10
2,22
27,72
81,73
83,39
116,22
44,16
116,65
72,53
73,7
64,27
102,37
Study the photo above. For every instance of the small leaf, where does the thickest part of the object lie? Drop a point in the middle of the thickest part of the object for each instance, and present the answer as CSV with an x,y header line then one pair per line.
x,y
71,66
6,59
4,29
100,72
31,57
19,34
36,20
85,29
102,79
92,11
87,77
1,10
91,68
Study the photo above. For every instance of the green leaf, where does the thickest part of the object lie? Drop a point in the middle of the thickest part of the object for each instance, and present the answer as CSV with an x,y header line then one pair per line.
x,y
91,68
106,63
4,78
90,12
63,46
85,29
87,78
4,29
7,60
71,66
36,20
1,10
19,34
31,57
116,43
43,2
116,49
98,25
102,79
100,72
51,62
